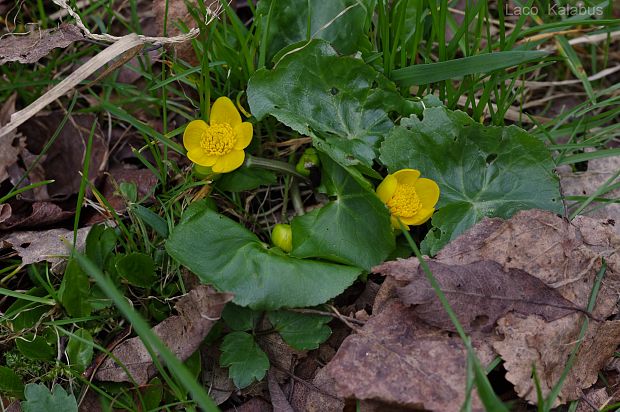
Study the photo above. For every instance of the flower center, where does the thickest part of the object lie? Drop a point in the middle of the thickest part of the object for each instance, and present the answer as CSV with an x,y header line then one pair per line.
x,y
405,201
218,139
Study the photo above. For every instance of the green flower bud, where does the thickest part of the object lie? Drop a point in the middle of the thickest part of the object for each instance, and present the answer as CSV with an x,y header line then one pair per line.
x,y
282,237
308,160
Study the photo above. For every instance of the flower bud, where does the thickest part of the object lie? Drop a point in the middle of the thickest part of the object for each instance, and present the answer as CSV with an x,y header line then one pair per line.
x,y
308,160
282,237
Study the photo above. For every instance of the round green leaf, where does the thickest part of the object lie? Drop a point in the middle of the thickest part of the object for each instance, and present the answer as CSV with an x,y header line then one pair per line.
x,y
10,383
353,229
137,268
343,23
300,330
35,347
80,353
333,98
481,170
227,255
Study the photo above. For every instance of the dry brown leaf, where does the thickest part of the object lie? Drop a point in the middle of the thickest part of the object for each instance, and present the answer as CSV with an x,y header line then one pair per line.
x,y
397,359
46,245
11,146
214,376
278,398
317,396
35,215
29,48
183,334
565,256
480,293
586,183
65,159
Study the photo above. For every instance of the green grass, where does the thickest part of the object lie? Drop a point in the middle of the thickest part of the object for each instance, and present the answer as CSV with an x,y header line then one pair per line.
x,y
466,69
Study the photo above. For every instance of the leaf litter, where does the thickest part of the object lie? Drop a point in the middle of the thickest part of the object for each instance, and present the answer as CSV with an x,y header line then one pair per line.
x,y
391,359
197,311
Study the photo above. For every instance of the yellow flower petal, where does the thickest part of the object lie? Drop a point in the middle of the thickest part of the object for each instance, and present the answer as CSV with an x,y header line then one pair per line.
x,y
386,189
224,111
421,217
199,157
229,162
395,224
428,192
193,134
244,133
407,176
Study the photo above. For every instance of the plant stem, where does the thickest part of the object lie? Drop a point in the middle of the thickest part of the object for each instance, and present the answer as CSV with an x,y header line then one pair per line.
x,y
270,164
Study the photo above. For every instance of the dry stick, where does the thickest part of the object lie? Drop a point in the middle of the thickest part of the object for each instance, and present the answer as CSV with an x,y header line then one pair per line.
x,y
125,43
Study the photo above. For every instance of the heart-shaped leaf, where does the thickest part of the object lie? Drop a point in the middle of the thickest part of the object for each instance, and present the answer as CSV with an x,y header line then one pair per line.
x,y
353,229
224,253
341,22
481,170
330,97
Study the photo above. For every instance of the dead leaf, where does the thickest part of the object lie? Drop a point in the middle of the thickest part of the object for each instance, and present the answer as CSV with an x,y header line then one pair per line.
x,y
255,404
5,212
12,145
397,359
46,245
278,399
565,256
594,400
480,293
35,215
586,183
183,334
214,376
317,396
29,48
65,158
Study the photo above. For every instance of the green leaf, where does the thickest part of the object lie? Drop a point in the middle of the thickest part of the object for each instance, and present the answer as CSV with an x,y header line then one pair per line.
x,y
316,92
240,318
39,398
353,229
100,243
10,383
152,219
246,179
137,268
80,353
227,255
457,68
35,347
25,314
153,394
245,360
481,170
343,23
301,331
74,290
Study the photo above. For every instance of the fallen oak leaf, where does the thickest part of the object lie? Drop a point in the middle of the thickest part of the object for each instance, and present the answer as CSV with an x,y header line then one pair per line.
x,y
398,359
480,293
565,256
29,48
198,311
46,245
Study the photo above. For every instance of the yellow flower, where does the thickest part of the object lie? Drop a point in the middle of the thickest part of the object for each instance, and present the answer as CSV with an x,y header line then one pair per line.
x,y
219,144
409,197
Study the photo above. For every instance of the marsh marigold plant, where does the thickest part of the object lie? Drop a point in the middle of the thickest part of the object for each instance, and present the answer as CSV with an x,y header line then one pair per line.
x,y
409,197
220,143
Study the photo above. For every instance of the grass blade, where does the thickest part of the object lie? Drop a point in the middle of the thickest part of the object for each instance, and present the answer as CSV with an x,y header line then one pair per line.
x,y
482,63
